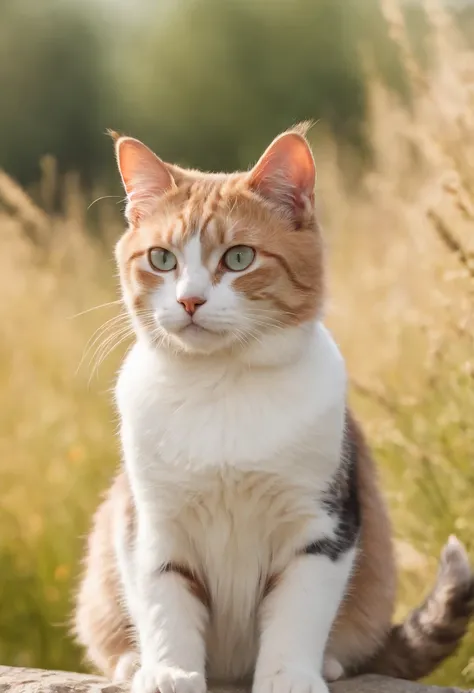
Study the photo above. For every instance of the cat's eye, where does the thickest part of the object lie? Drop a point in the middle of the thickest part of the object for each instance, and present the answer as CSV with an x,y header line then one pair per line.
x,y
162,259
238,258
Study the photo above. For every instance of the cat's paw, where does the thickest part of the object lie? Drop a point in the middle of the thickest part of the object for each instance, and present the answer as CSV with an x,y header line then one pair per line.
x,y
163,679
332,669
126,667
290,680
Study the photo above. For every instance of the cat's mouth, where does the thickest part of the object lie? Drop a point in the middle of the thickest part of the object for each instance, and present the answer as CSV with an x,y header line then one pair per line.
x,y
194,328
194,337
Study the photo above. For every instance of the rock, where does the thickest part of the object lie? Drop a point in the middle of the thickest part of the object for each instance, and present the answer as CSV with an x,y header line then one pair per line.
x,y
383,684
17,680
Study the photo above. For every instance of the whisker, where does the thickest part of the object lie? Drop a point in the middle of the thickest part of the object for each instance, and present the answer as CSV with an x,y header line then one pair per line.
x,y
103,197
99,334
107,353
112,322
89,310
108,340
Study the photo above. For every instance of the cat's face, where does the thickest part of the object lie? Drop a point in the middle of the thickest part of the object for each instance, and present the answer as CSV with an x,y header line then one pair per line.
x,y
213,262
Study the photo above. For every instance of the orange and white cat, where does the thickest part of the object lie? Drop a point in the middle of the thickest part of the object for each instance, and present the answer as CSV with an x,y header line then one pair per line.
x,y
245,540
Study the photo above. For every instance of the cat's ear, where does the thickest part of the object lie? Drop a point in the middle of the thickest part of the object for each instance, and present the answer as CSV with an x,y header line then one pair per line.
x,y
145,177
286,174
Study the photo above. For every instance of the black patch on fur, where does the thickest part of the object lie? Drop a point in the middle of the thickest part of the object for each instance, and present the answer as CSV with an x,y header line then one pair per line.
x,y
341,500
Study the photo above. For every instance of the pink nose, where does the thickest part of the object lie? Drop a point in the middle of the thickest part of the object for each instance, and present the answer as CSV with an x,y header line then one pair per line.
x,y
191,304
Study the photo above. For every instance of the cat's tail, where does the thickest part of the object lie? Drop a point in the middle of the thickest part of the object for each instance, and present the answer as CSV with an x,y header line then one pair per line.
x,y
433,631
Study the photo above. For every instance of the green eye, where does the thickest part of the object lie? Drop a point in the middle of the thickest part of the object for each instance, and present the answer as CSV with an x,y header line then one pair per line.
x,y
161,259
239,258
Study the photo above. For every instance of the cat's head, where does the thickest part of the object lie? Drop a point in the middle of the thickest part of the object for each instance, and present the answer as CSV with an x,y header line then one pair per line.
x,y
216,261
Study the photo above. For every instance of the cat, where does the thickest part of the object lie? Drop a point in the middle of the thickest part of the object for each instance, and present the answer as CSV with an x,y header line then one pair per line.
x,y
245,539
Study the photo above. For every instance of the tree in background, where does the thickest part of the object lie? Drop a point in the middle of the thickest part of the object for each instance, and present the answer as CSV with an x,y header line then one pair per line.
x,y
54,88
204,82
220,79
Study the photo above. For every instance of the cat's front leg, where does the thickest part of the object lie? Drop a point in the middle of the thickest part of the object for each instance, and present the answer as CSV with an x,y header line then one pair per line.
x,y
296,620
171,614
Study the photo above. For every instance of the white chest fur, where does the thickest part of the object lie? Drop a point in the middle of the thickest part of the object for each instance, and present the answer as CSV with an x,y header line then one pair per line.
x,y
228,459
212,412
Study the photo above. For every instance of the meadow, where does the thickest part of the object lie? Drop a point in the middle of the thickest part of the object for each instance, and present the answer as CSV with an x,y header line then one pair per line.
x,y
401,285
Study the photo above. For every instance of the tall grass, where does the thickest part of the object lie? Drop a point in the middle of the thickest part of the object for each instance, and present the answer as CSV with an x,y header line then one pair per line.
x,y
57,445
402,289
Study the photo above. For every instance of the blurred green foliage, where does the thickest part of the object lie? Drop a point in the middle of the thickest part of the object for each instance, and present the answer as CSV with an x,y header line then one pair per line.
x,y
54,86
205,82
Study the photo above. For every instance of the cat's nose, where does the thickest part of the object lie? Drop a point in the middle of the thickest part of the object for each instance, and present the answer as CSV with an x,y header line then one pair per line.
x,y
191,303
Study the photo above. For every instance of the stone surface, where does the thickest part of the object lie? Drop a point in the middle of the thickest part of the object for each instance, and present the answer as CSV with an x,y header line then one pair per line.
x,y
16,680
382,684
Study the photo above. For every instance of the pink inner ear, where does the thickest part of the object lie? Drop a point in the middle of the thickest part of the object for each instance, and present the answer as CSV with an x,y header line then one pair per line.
x,y
145,177
286,171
